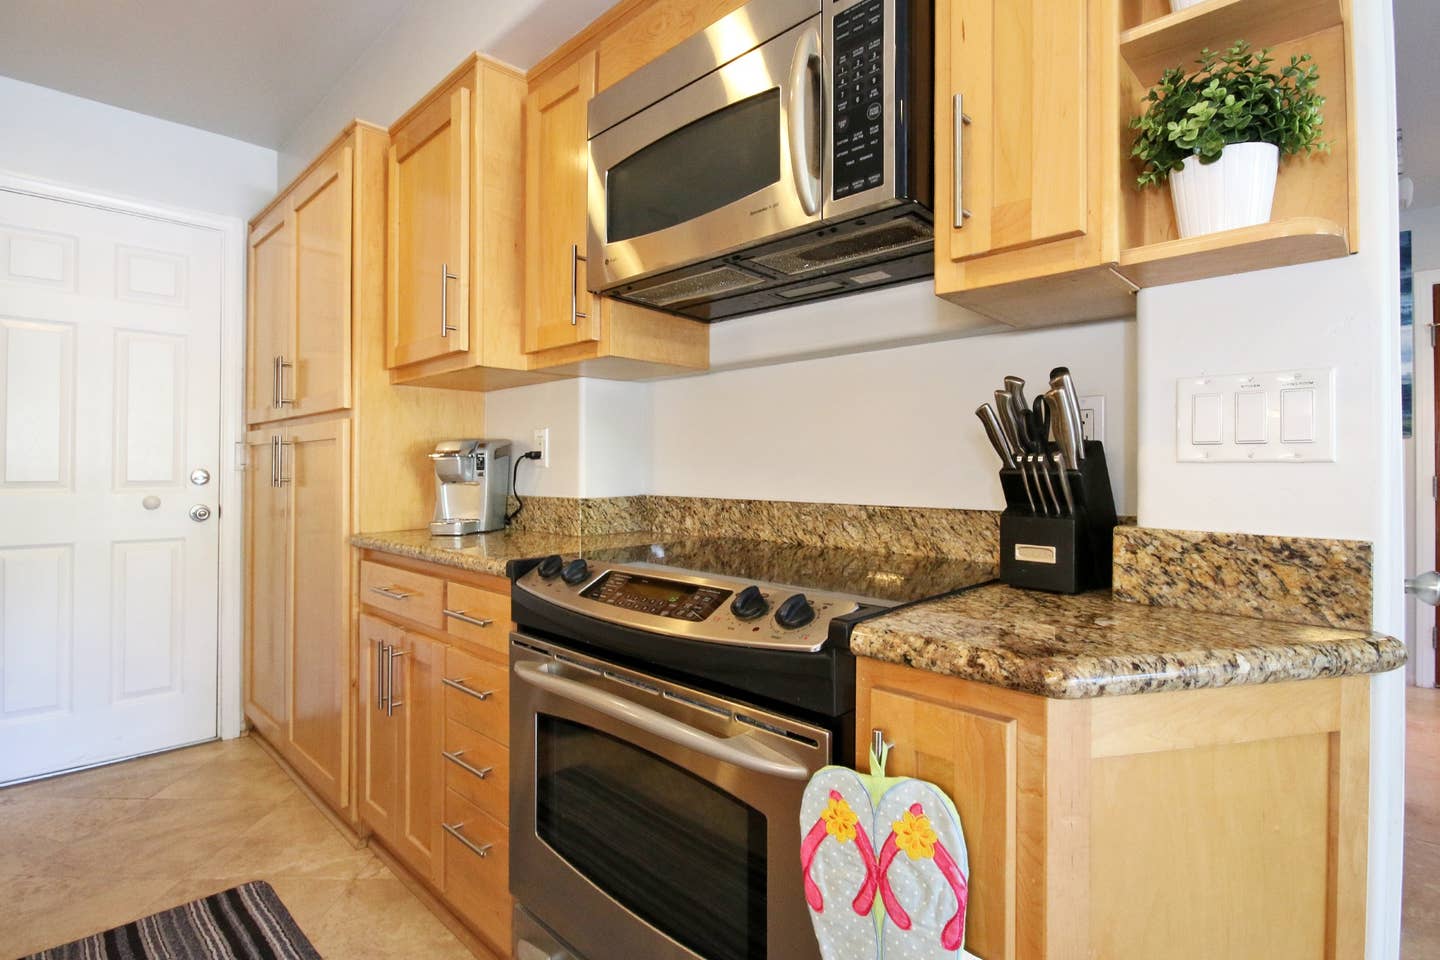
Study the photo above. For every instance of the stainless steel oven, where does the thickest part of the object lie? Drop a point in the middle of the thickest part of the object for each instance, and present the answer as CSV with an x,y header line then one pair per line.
x,y
781,155
653,819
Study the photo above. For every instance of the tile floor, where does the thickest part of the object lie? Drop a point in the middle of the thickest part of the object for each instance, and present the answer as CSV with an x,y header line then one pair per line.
x,y
92,850
1420,910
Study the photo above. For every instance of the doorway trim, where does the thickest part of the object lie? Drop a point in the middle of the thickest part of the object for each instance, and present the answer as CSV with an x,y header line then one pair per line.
x,y
1421,533
228,494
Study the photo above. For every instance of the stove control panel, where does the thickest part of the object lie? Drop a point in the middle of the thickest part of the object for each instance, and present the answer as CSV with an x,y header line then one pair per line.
x,y
693,606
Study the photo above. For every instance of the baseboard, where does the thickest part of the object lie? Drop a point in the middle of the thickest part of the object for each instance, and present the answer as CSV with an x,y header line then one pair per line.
x,y
422,890
350,831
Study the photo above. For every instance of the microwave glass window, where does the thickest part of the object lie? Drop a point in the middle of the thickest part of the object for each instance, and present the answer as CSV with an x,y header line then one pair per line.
x,y
673,849
705,165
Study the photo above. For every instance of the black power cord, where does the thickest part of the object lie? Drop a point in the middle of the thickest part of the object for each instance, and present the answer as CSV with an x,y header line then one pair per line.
x,y
514,476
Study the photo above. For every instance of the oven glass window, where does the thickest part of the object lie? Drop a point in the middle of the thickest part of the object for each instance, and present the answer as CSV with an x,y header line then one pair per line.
x,y
678,852
703,166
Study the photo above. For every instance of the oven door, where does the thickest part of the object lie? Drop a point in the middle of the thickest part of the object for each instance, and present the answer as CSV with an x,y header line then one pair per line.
x,y
653,820
734,158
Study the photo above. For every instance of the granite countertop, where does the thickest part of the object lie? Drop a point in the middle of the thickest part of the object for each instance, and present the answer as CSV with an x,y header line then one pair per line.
x,y
1091,645
489,552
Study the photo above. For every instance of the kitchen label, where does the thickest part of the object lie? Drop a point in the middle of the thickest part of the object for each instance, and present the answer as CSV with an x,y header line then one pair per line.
x,y
1029,553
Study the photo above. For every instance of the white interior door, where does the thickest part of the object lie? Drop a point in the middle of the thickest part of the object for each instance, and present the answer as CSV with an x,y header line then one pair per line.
x,y
109,399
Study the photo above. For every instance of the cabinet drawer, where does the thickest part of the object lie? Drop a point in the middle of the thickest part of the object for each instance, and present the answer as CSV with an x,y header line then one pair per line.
x,y
465,749
477,694
403,592
480,616
476,887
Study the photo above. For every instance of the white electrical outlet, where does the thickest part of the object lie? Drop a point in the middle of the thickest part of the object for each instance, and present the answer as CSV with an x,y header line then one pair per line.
x,y
542,443
1092,418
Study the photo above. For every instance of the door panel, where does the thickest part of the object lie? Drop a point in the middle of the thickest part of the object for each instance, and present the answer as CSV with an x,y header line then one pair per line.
x,y
267,538
109,397
430,233
420,716
271,313
320,379
379,747
556,161
314,469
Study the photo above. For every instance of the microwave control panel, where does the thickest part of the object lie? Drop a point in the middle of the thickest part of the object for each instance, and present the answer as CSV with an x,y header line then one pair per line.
x,y
858,93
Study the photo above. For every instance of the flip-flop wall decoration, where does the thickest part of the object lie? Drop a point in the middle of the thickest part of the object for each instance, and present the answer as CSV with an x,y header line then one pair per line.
x,y
885,867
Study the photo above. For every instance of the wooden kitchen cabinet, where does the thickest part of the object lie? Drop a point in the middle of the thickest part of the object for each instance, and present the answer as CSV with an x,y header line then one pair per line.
x,y
378,737
1227,822
299,351
266,547
567,329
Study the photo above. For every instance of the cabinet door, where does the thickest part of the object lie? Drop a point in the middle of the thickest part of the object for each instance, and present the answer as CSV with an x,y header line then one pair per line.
x,y
318,377
272,307
378,780
314,471
266,539
419,711
429,226
1018,70
556,171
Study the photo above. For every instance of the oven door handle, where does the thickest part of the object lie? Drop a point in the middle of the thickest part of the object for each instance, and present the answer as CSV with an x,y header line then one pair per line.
x,y
741,751
804,116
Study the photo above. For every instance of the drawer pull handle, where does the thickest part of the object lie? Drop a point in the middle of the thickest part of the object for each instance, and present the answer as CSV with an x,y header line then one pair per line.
x,y
464,617
481,772
460,685
479,849
391,593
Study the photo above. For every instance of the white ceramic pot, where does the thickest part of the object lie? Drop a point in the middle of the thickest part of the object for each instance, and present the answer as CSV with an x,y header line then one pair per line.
x,y
1177,5
1235,191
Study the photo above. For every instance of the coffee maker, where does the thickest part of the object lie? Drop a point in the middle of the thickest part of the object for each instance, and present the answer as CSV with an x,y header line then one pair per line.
x,y
472,486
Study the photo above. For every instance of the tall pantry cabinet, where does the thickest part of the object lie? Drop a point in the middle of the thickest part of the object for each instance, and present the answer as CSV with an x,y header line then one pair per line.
x,y
317,395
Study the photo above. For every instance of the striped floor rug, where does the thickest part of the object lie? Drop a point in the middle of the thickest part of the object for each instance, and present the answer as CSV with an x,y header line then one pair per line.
x,y
244,923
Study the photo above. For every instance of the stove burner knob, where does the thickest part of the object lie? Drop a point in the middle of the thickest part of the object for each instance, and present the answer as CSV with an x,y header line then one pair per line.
x,y
795,612
575,571
749,604
550,566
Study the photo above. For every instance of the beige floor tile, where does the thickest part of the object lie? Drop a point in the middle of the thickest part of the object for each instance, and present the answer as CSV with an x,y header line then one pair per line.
x,y
47,911
379,919
292,840
1420,906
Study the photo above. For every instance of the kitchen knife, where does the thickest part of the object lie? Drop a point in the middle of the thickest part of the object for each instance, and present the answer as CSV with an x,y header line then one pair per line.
x,y
1010,430
991,422
1064,476
1040,444
1064,458
1015,386
1061,380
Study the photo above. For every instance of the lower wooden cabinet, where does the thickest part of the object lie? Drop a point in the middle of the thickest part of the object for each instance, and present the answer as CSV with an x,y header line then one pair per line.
x,y
433,777
1186,825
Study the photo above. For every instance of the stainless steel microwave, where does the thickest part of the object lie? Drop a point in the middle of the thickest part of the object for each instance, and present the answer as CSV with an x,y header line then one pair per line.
x,y
782,155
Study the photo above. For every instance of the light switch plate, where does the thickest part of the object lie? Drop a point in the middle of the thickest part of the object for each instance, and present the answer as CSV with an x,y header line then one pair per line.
x,y
1092,417
1309,393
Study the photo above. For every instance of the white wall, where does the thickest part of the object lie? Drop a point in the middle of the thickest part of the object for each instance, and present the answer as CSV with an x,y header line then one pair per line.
x,y
417,50
68,140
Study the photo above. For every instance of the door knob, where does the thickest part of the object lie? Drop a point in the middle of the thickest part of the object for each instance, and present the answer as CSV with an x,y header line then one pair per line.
x,y
200,476
199,513
1425,588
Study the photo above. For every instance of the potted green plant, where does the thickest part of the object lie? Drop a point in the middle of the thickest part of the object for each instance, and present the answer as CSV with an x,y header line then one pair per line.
x,y
1217,134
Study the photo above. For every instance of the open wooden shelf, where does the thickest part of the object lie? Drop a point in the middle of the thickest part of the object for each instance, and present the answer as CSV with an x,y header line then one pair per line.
x,y
1279,243
1176,39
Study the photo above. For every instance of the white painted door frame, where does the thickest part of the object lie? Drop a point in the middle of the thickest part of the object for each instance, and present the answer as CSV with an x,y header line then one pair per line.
x,y
1420,519
229,492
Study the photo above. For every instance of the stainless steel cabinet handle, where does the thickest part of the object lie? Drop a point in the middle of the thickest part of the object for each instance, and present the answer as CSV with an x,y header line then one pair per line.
x,y
275,460
803,116
464,617
281,365
460,685
575,261
379,674
479,849
275,383
742,750
445,277
391,593
281,479
390,702
960,122
481,772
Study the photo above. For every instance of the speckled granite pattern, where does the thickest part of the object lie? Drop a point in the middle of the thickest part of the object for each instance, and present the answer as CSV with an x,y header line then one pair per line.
x,y
547,515
486,552
600,515
1298,580
1091,645
965,534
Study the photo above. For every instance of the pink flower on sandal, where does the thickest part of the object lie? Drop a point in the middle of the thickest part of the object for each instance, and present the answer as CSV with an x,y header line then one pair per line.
x,y
839,821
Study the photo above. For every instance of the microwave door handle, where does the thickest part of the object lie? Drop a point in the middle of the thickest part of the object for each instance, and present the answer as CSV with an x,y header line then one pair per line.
x,y
804,115
738,750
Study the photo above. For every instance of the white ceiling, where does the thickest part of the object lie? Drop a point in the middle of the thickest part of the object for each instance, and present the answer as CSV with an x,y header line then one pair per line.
x,y
1417,62
249,69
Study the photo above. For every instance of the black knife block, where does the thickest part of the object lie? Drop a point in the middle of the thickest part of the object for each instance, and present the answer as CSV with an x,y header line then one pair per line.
x,y
1060,554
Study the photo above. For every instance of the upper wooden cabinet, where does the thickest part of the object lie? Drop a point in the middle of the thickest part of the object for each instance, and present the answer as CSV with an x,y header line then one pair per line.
x,y
454,234
301,256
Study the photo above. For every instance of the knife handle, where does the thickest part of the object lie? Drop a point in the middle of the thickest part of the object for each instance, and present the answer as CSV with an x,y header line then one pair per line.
x,y
1066,432
1061,380
991,422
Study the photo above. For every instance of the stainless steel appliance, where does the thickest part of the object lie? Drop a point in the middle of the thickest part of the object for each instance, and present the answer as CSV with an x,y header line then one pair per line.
x,y
782,155
665,718
472,486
